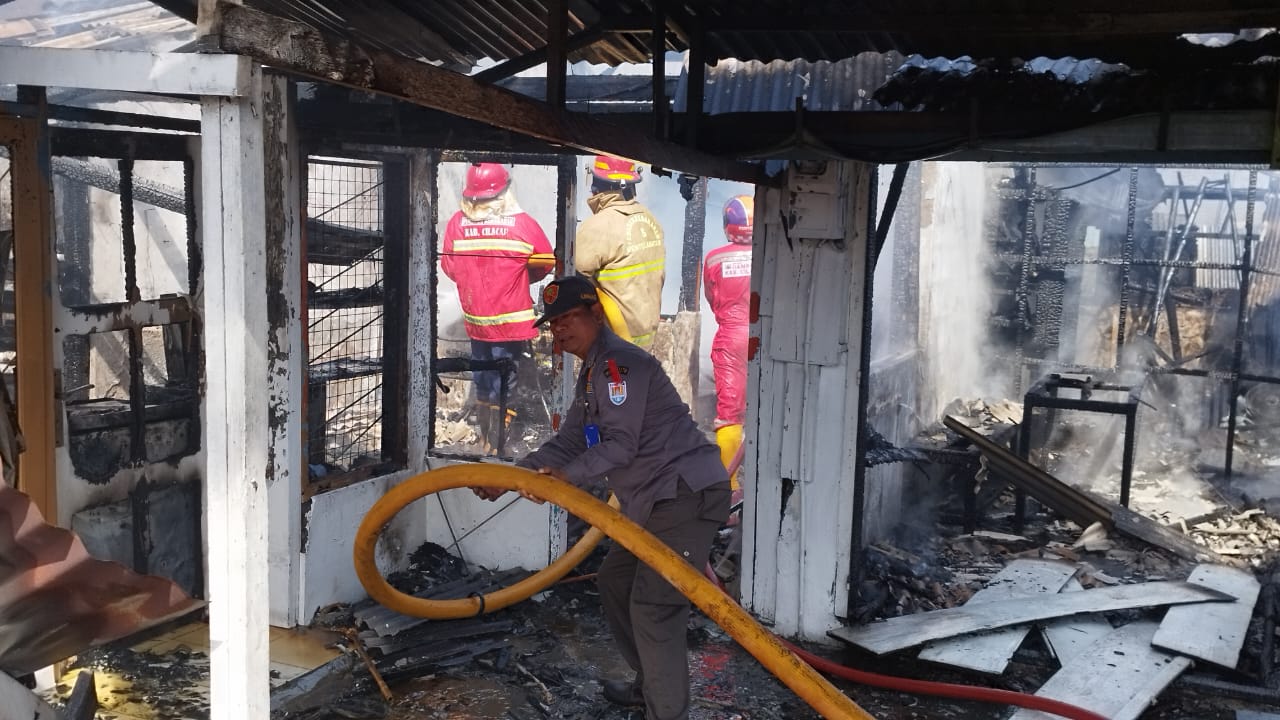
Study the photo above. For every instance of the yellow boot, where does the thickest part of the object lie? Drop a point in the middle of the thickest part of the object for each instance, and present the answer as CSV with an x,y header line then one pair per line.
x,y
729,438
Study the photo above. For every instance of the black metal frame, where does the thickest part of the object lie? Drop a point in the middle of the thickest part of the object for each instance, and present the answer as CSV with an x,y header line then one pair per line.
x,y
1236,375
1045,394
126,148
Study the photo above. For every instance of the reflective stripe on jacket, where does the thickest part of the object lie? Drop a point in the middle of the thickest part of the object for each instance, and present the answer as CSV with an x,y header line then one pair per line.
x,y
621,246
489,261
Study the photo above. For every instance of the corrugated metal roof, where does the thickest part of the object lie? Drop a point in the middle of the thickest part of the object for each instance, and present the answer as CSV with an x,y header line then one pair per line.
x,y
56,600
87,24
754,86
457,33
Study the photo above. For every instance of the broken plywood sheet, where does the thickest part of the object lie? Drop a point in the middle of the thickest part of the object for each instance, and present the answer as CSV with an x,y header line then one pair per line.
x,y
907,631
1212,632
1069,637
1117,676
990,652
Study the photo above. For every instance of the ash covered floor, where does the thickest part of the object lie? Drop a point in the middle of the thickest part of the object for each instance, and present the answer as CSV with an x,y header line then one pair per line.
x,y
548,655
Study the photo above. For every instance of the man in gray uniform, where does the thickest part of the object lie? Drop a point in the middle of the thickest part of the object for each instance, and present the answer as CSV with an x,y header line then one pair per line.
x,y
628,423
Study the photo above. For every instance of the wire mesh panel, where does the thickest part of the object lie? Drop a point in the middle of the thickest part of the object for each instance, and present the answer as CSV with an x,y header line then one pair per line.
x,y
346,282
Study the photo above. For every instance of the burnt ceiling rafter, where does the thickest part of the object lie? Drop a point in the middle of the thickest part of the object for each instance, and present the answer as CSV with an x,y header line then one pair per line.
x,y
457,33
298,48
575,42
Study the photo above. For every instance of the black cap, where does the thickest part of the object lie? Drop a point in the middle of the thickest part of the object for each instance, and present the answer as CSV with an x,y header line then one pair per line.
x,y
565,294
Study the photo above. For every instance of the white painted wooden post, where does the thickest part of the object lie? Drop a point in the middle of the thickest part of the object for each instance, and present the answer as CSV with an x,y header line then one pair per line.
x,y
233,230
422,219
802,445
286,356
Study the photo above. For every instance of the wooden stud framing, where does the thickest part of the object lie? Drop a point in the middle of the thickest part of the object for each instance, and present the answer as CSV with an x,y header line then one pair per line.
x,y
301,49
695,90
557,51
658,55
33,287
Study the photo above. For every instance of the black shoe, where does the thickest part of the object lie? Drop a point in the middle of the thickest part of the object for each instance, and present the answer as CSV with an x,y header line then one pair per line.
x,y
620,692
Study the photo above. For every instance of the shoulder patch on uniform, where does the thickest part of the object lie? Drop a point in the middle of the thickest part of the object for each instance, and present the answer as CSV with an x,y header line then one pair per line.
x,y
618,392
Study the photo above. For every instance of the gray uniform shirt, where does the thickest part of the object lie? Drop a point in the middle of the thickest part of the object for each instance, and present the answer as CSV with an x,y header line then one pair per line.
x,y
648,439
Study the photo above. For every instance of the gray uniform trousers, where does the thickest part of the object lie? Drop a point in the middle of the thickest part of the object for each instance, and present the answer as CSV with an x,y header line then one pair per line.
x,y
649,617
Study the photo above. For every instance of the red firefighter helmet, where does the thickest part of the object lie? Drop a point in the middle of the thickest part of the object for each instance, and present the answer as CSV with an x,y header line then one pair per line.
x,y
485,180
615,170
739,217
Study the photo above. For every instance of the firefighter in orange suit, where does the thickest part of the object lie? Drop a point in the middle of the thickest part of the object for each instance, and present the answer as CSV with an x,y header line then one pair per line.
x,y
620,247
726,280
493,251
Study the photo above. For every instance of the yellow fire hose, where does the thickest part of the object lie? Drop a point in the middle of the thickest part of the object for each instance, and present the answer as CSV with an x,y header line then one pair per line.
x,y
814,689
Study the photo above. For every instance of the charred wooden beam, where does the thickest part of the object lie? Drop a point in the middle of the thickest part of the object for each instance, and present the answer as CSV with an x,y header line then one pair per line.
x,y
70,143
1275,134
658,56
557,52
1082,507
695,89
301,49
83,703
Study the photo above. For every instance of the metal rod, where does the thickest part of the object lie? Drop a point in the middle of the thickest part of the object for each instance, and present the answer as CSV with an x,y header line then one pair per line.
x,y
1168,244
137,397
1166,275
1242,322
1126,266
864,385
1039,260
1022,322
890,208
127,231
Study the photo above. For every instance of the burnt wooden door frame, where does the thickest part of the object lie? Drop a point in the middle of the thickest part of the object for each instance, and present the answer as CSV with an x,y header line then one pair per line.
x,y
28,145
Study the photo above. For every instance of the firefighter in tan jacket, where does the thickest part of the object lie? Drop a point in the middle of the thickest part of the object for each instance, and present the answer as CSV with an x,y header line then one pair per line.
x,y
620,246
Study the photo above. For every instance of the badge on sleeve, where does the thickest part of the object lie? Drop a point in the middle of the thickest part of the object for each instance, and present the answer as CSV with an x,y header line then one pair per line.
x,y
618,392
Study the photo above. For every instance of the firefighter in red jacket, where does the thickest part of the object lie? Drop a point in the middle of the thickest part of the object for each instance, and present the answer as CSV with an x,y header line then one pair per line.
x,y
493,251
726,280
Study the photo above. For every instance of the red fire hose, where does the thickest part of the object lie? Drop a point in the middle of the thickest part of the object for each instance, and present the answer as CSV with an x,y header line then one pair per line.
x,y
922,687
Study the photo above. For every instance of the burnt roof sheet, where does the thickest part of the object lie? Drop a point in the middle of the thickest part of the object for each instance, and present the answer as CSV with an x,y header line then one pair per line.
x,y
56,600
752,86
1071,85
457,33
